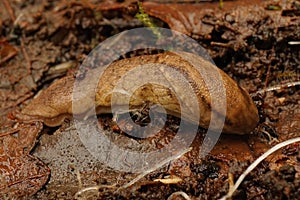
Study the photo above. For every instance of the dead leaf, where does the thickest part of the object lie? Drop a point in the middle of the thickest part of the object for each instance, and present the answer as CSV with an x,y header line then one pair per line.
x,y
20,173
7,51
21,176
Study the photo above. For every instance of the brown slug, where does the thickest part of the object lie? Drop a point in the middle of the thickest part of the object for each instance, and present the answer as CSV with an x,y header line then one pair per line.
x,y
54,104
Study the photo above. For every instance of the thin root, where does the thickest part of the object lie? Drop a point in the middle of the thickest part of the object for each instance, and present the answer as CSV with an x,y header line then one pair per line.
x,y
256,162
181,193
79,194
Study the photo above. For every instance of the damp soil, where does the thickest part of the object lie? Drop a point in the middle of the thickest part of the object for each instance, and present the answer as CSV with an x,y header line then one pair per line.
x,y
257,44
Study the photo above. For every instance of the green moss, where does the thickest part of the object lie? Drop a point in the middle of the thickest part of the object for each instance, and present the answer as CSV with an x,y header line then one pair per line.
x,y
221,4
145,19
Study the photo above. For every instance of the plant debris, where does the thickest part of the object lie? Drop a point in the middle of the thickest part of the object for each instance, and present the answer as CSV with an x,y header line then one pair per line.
x,y
256,43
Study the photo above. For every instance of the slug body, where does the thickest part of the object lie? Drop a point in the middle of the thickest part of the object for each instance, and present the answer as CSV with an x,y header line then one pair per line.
x,y
241,117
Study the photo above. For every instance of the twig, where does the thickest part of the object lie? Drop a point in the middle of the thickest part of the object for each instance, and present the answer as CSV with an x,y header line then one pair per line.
x,y
294,42
267,77
22,43
157,166
25,55
256,162
220,44
278,87
9,9
78,178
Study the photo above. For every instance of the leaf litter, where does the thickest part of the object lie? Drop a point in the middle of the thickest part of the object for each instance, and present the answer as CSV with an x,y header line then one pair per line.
x,y
251,43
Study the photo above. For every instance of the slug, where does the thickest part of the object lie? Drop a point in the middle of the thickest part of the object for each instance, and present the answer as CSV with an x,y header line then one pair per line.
x,y
54,104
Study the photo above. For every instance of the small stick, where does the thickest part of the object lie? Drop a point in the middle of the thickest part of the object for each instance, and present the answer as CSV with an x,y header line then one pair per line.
x,y
294,42
9,9
23,49
279,87
267,77
226,45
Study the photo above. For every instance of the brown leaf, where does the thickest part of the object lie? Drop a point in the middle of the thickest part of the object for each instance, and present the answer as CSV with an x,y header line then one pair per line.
x,y
21,176
191,19
19,141
20,173
185,18
7,51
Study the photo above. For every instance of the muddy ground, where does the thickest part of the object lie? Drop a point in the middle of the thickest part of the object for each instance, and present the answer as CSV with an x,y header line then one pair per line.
x,y
257,44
